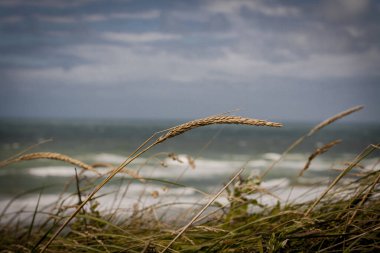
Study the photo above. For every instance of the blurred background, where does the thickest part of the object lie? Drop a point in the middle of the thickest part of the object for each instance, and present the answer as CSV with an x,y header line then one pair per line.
x,y
99,77
292,60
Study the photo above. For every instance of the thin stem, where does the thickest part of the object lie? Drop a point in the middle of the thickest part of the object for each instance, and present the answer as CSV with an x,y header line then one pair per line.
x,y
202,210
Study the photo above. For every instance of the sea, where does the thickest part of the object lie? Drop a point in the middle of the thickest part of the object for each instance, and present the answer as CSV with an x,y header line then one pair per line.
x,y
180,174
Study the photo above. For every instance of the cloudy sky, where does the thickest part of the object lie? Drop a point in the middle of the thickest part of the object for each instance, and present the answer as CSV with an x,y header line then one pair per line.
x,y
283,60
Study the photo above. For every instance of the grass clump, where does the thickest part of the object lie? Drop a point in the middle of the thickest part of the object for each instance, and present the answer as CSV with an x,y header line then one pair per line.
x,y
344,218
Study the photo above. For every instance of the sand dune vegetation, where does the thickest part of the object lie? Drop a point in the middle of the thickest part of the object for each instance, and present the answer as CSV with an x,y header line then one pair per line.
x,y
343,217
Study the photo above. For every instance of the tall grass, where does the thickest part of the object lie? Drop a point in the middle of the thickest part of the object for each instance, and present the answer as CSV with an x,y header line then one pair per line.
x,y
345,216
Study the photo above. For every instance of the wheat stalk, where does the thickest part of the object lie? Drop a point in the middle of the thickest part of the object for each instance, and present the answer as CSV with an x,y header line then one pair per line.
x,y
180,129
67,159
47,155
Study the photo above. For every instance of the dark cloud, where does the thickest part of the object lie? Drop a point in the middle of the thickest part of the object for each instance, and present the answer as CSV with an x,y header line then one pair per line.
x,y
178,59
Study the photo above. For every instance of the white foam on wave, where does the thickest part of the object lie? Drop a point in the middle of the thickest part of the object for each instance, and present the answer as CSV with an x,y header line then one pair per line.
x,y
297,156
271,156
218,164
182,161
109,158
371,164
258,163
205,168
22,209
294,161
316,165
137,189
56,171
114,159
209,167
284,195
141,194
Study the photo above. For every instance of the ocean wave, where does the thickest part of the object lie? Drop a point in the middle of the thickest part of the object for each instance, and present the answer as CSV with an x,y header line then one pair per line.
x,y
109,158
204,168
284,195
114,159
57,171
136,189
271,156
316,165
292,160
208,168
258,163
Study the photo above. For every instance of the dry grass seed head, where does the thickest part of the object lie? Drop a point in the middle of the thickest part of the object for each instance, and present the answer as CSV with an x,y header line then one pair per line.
x,y
67,159
180,129
318,152
48,155
334,118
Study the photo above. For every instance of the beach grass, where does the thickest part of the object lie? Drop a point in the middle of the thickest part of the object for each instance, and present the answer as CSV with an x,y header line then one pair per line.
x,y
345,217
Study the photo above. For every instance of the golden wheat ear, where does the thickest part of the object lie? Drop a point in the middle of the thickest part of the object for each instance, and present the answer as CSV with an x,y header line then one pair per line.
x,y
48,155
219,119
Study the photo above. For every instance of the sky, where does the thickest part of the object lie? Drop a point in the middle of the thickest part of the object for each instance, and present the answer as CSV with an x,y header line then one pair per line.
x,y
278,60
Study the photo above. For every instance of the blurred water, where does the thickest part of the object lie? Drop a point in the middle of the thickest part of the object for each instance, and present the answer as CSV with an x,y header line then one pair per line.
x,y
217,151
